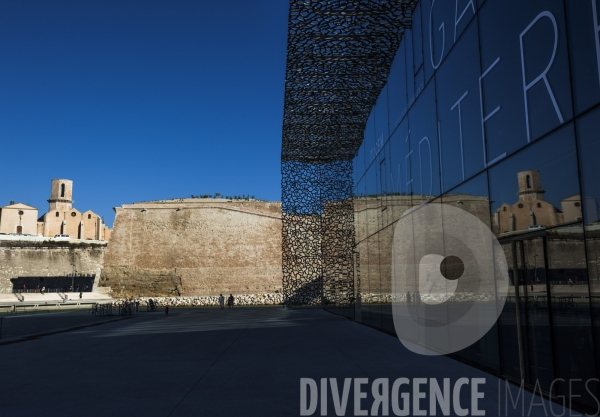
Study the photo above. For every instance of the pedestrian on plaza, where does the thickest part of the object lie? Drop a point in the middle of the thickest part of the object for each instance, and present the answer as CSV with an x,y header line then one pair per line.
x,y
80,293
24,288
71,288
418,297
43,289
230,301
78,289
222,301
408,297
37,288
167,310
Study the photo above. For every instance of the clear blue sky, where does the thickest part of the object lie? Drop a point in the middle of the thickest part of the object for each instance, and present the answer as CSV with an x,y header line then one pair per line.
x,y
140,100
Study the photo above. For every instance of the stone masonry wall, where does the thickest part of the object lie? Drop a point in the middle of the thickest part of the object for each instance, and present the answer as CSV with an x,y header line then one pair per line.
x,y
38,258
195,247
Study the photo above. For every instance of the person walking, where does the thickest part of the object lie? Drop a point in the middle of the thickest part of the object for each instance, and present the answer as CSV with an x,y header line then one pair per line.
x,y
230,301
408,297
222,301
43,289
80,293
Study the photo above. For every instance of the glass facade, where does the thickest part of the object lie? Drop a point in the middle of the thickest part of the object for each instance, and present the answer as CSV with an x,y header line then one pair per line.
x,y
493,106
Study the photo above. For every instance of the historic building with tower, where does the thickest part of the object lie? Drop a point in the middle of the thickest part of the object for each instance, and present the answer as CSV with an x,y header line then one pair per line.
x,y
61,219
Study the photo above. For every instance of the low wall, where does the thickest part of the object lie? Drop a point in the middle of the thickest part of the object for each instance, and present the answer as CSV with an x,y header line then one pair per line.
x,y
20,259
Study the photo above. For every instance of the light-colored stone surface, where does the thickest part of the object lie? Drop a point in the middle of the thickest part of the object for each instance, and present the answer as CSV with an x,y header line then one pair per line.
x,y
195,247
38,257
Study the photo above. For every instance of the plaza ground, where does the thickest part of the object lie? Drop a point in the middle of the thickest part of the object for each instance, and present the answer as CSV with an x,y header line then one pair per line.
x,y
206,361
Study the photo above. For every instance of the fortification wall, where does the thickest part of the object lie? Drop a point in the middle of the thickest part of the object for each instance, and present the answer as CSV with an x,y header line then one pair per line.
x,y
21,259
195,247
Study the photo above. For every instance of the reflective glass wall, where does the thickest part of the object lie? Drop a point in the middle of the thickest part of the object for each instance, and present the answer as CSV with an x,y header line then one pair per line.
x,y
492,106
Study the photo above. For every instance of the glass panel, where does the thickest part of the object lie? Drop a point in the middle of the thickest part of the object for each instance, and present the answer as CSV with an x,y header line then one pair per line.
x,y
396,85
538,187
584,47
424,147
408,57
458,103
438,32
588,127
369,141
568,283
381,120
417,38
472,197
526,86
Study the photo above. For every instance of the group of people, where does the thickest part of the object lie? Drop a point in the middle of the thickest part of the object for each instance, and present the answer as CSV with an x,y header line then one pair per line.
x,y
416,297
229,301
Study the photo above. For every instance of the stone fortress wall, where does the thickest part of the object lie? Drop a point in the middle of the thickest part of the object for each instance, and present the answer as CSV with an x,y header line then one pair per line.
x,y
195,247
38,257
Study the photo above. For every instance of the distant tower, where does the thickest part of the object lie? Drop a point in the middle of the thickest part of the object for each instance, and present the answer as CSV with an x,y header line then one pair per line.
x,y
530,186
61,196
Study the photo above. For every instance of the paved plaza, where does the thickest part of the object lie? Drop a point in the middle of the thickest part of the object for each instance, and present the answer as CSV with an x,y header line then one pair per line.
x,y
205,361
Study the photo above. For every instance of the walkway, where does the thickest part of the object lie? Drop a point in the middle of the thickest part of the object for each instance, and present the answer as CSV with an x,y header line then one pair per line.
x,y
211,362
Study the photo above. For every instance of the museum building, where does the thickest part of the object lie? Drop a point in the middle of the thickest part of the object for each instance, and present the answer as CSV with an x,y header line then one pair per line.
x,y
491,106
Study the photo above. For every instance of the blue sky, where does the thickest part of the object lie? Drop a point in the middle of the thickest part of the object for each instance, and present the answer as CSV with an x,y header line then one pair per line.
x,y
140,100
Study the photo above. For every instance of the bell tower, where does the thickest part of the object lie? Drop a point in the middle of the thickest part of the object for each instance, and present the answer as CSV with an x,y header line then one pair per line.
x,y
61,195
530,186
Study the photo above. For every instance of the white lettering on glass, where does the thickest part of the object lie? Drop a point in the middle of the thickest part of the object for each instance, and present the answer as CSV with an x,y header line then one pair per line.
x,y
457,21
596,30
486,118
542,76
462,155
441,28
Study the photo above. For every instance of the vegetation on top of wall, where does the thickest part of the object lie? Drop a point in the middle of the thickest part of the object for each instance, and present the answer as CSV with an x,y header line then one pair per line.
x,y
244,197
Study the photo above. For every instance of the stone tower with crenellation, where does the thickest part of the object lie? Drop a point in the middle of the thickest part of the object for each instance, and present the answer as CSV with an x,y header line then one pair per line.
x,y
61,196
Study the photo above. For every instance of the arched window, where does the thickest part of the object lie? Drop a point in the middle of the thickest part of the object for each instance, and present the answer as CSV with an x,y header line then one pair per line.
x,y
57,214
89,216
528,181
62,190
539,205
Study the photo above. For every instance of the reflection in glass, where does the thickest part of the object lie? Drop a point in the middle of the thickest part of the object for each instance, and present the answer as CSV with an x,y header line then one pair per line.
x,y
538,187
588,127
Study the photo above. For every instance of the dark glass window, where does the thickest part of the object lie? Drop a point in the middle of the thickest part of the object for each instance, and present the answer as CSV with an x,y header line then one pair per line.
x,y
424,147
520,65
583,19
381,120
396,85
462,147
588,127
554,162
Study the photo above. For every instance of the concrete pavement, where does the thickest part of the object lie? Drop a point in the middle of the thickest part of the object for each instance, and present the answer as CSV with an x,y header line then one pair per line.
x,y
211,362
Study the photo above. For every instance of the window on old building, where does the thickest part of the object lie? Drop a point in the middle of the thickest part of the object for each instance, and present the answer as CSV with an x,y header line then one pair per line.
x,y
528,181
62,190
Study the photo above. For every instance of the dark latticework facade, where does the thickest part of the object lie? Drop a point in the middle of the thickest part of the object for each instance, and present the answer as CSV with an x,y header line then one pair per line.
x,y
339,54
